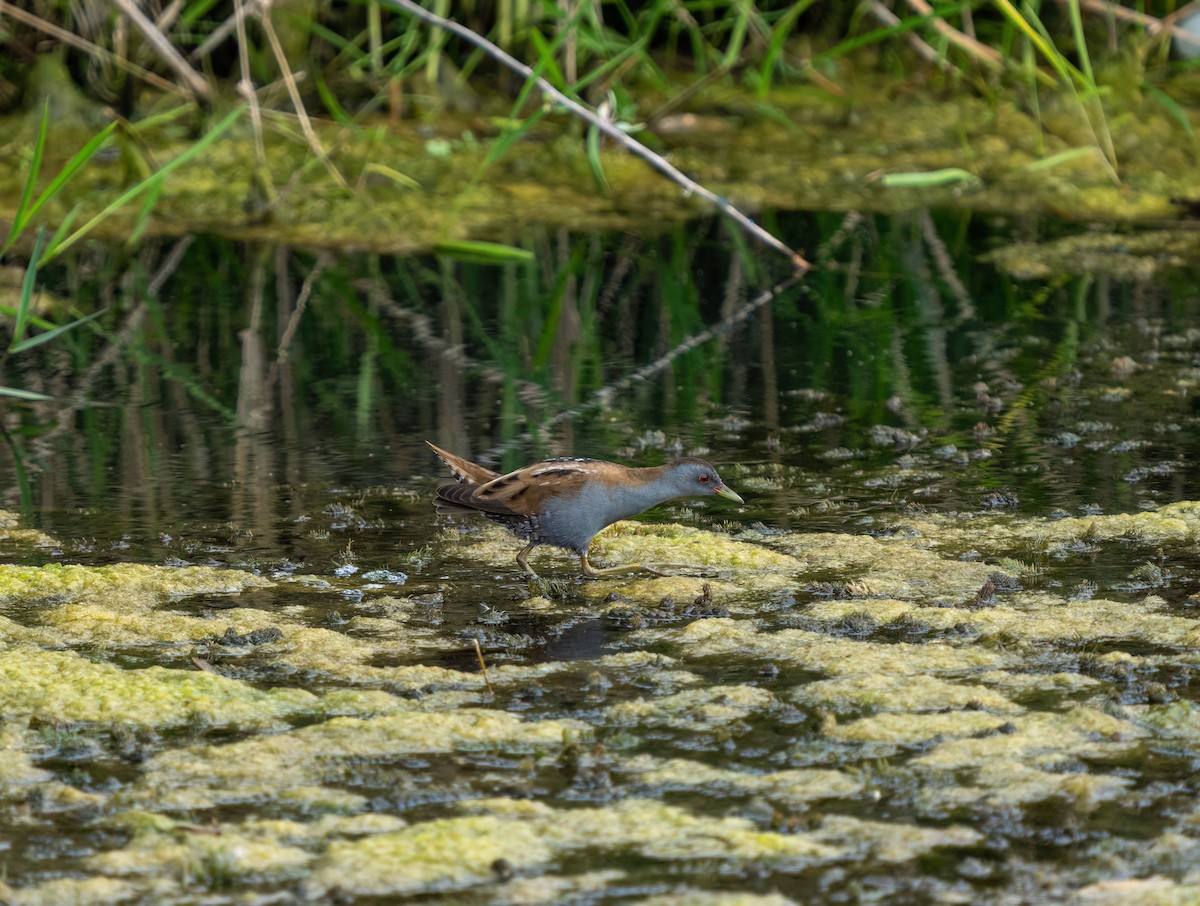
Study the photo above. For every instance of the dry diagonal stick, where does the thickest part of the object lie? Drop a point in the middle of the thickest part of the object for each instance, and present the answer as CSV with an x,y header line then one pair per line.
x,y
877,9
222,31
165,49
980,51
302,114
1153,25
583,112
605,394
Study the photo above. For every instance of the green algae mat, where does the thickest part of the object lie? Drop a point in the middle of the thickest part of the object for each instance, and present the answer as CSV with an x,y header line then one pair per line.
x,y
927,727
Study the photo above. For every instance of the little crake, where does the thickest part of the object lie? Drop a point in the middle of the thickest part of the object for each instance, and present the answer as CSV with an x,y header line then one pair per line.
x,y
565,502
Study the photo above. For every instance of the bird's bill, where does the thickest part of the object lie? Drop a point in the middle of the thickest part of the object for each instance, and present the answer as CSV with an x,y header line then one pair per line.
x,y
723,491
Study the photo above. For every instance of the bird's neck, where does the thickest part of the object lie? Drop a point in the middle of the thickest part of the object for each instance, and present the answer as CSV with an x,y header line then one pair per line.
x,y
644,489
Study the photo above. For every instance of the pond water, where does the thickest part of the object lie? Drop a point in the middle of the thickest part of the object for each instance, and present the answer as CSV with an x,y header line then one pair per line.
x,y
945,651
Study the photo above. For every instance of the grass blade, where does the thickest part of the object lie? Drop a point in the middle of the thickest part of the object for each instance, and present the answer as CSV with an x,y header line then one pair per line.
x,y
215,133
483,252
23,212
1172,107
1063,157
29,395
53,333
26,303
943,177
594,161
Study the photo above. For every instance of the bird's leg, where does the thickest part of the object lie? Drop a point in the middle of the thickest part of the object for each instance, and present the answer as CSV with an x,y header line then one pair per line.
x,y
523,561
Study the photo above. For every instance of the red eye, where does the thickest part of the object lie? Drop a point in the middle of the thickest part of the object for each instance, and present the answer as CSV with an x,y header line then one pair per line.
x,y
704,479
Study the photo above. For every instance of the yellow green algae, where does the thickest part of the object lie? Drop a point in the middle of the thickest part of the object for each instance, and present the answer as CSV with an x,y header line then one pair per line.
x,y
1127,256
16,765
314,756
131,581
949,716
65,686
97,891
12,534
1173,522
1156,890
460,852
889,842
728,565
791,786
812,151
709,706
820,652
695,897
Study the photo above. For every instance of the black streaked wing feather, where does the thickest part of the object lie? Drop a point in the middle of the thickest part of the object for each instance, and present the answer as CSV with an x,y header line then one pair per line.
x,y
524,491
464,497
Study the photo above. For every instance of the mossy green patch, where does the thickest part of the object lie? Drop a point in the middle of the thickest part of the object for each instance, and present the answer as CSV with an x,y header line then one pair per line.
x,y
891,842
16,766
793,787
1155,890
63,686
97,891
638,542
1035,739
904,568
1034,617
908,729
122,581
194,856
449,854
739,566
693,897
834,656
460,852
142,622
323,754
695,708
1177,523
15,537
1037,617
906,692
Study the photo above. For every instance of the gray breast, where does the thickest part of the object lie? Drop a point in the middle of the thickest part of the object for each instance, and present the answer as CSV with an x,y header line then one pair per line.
x,y
573,522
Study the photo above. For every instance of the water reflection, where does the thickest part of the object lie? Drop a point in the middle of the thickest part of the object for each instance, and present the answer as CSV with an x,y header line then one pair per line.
x,y
228,377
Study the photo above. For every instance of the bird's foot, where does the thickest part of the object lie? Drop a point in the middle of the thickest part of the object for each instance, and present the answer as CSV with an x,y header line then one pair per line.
x,y
675,569
599,572
658,569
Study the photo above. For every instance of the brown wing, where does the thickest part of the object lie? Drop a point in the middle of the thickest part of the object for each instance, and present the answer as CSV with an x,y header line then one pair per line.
x,y
464,470
461,498
524,491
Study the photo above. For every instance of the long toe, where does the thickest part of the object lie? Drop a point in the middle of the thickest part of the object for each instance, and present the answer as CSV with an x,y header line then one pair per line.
x,y
600,572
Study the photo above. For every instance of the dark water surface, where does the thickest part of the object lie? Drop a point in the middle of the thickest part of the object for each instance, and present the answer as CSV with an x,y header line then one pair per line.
x,y
235,419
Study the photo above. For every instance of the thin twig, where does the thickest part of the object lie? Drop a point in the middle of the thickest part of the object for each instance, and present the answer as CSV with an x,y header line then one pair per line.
x,y
119,341
246,88
482,666
605,394
324,260
298,104
982,52
941,257
165,48
609,129
1167,23
918,44
221,32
